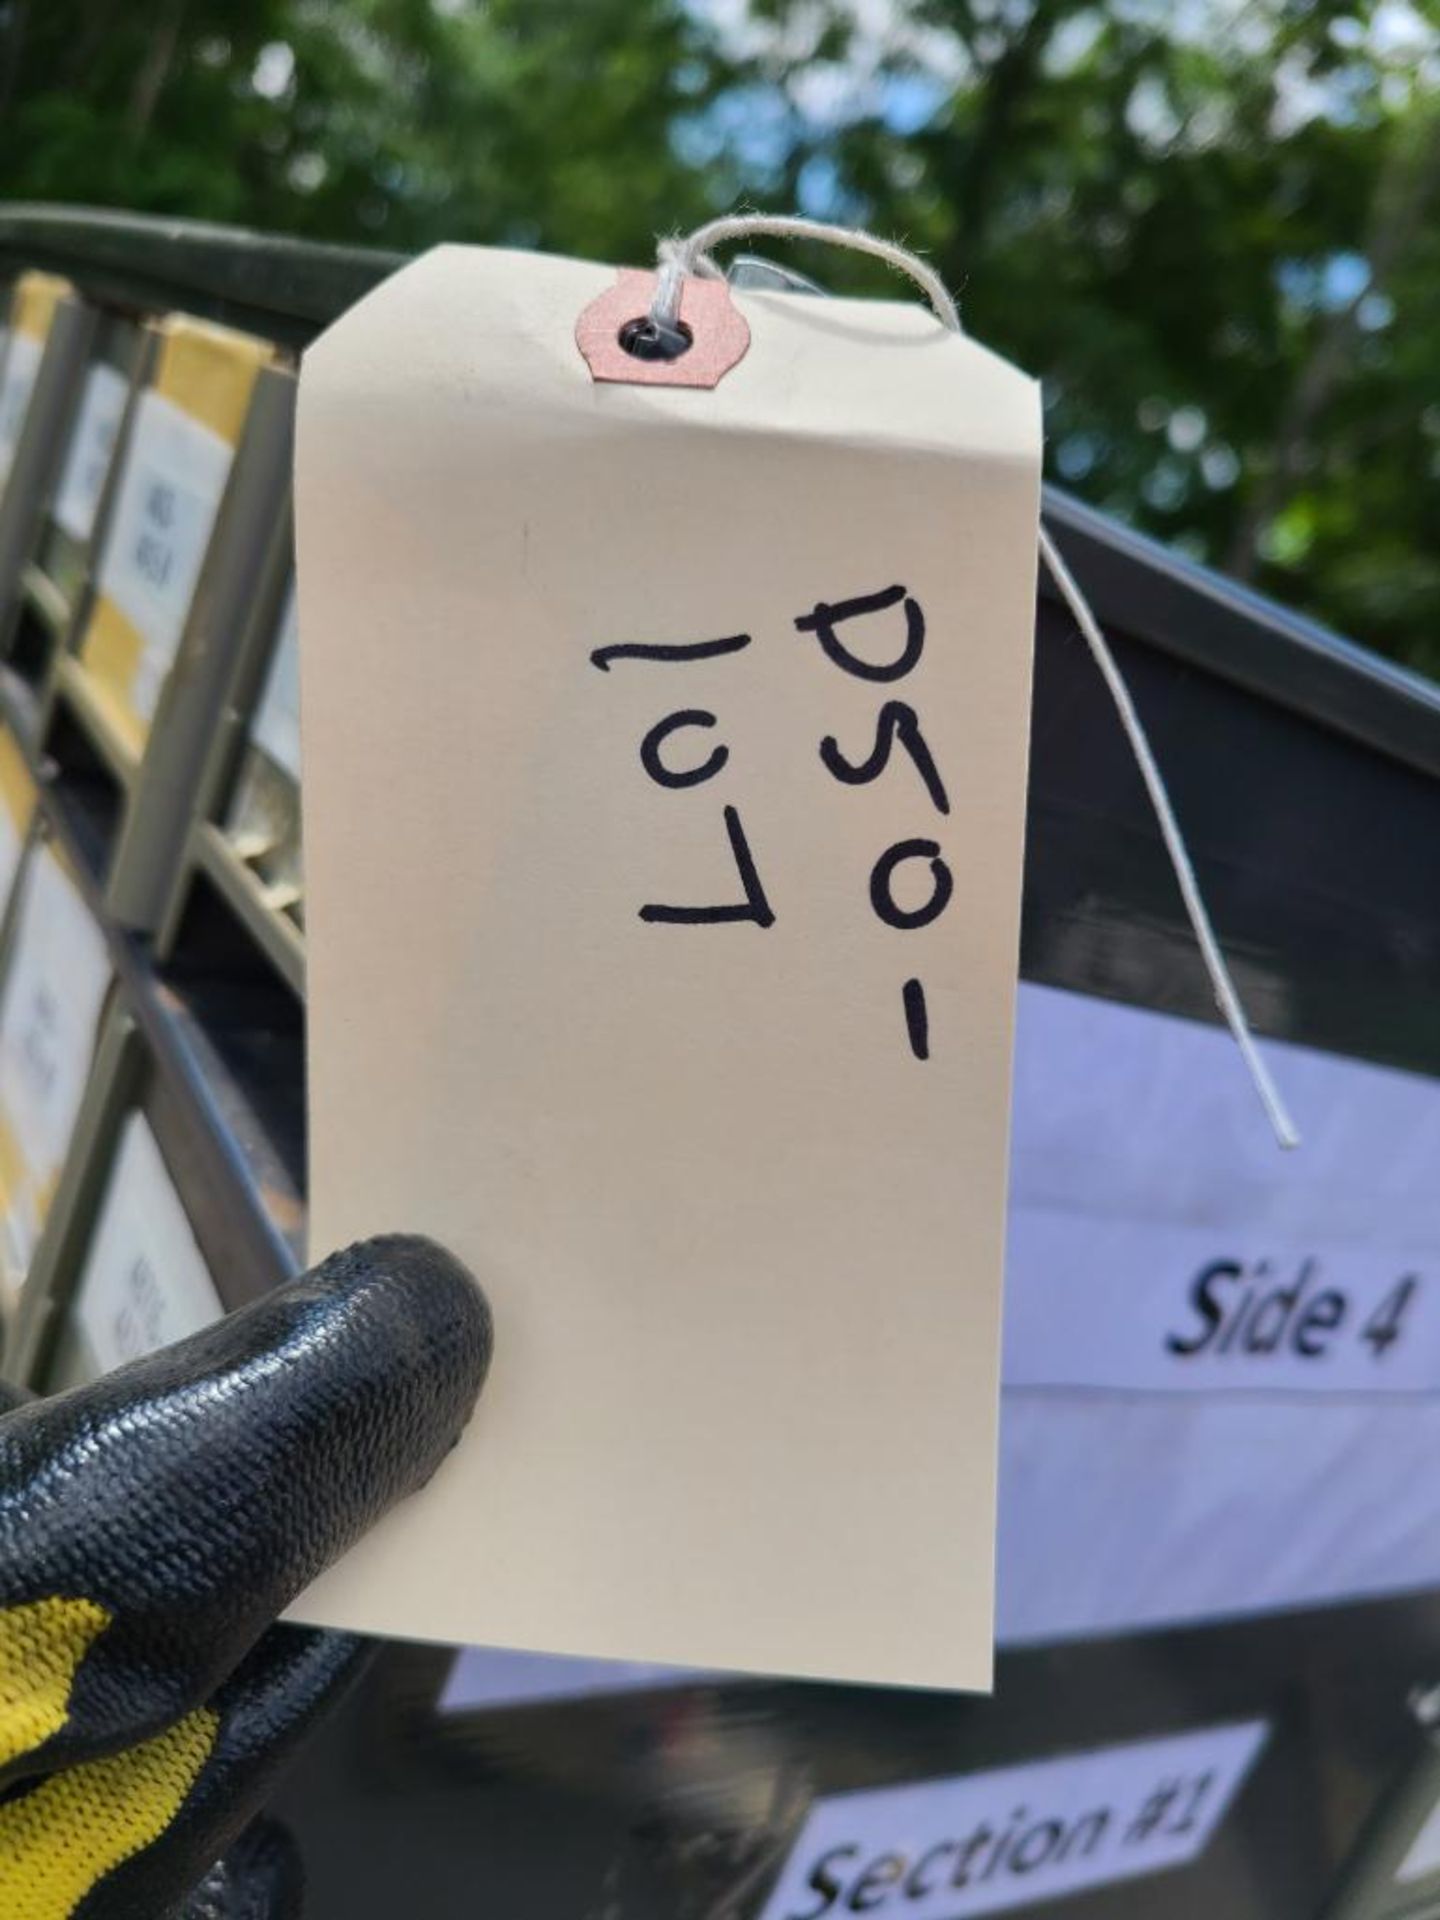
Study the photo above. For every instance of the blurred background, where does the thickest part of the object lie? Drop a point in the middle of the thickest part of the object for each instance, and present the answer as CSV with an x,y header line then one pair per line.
x,y
1212,226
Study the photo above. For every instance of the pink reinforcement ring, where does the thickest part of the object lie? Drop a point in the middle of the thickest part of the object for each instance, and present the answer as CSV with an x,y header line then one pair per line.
x,y
721,335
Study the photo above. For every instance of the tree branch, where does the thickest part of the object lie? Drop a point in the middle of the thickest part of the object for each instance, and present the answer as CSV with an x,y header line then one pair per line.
x,y
154,70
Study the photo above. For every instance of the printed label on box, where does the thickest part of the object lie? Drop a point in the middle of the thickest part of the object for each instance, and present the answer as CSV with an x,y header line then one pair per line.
x,y
17,808
277,718
49,1009
92,446
22,364
170,492
145,1283
1018,1836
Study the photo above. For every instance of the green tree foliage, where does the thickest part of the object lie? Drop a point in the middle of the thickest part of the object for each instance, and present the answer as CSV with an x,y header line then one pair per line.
x,y
397,122
1215,230
1213,226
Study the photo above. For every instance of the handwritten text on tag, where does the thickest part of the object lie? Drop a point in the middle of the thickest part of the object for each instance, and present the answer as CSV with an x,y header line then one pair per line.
x,y
897,725
667,880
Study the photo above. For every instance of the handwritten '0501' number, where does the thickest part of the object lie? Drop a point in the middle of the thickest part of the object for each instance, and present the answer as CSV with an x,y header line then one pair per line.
x,y
682,750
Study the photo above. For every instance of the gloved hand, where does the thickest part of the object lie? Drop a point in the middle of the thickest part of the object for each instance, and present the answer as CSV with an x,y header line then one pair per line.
x,y
152,1526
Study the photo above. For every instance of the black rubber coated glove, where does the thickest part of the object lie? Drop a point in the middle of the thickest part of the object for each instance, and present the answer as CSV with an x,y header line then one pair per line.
x,y
152,1527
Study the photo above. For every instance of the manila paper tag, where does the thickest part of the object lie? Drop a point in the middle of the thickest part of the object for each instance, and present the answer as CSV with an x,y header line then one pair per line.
x,y
665,755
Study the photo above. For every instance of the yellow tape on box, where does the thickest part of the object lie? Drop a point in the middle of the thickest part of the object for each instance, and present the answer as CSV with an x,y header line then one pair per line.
x,y
187,426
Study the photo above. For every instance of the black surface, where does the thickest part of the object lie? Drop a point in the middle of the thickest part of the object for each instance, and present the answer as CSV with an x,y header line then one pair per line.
x,y
1209,621
1319,857
679,1805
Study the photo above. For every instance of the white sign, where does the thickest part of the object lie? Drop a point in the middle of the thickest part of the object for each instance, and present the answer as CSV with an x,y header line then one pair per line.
x,y
1222,1363
1179,1309
17,384
1018,1836
145,1283
49,1007
276,726
1158,1244
92,445
170,490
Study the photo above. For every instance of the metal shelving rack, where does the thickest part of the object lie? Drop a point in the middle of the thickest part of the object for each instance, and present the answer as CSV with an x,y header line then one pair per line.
x,y
212,1039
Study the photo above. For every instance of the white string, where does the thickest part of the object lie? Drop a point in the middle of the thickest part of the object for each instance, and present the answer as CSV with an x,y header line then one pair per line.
x,y
1226,997
691,255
